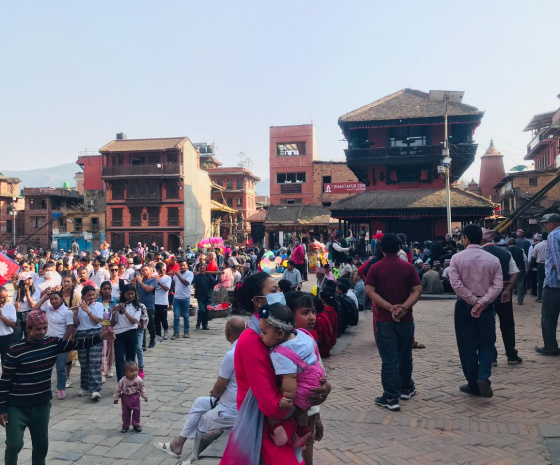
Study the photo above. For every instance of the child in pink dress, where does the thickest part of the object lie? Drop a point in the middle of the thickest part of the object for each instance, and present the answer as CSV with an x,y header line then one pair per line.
x,y
129,389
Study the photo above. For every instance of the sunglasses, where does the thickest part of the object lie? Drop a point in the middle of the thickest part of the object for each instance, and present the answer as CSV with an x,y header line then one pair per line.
x,y
114,269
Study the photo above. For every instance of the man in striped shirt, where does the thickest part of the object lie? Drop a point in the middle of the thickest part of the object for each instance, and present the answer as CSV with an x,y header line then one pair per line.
x,y
25,386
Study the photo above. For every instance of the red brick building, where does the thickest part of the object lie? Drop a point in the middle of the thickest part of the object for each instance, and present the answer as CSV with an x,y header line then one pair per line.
x,y
395,148
544,148
9,193
155,191
292,152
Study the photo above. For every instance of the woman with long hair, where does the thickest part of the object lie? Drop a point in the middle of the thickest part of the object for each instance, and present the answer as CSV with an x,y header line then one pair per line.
x,y
87,319
125,318
108,301
25,297
71,299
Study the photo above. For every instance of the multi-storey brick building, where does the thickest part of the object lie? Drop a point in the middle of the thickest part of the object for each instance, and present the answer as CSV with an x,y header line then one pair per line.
x,y
46,214
155,191
395,148
9,193
333,181
544,147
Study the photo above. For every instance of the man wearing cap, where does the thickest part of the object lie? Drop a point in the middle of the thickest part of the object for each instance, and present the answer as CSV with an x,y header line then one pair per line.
x,y
551,292
522,242
538,258
476,277
503,304
25,385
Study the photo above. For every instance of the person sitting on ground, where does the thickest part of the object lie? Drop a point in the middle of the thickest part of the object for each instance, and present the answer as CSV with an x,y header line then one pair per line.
x,y
217,411
295,357
431,283
329,275
359,289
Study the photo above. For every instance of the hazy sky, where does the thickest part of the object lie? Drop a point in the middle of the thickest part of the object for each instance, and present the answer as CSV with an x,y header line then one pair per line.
x,y
75,73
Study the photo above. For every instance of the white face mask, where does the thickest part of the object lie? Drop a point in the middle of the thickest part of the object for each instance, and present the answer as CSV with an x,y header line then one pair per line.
x,y
276,298
49,274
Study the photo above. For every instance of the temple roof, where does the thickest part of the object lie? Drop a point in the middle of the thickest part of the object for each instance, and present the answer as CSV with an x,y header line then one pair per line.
x,y
297,214
407,104
492,150
133,145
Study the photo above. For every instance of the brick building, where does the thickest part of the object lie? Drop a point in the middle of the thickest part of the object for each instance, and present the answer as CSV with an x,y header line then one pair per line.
x,y
333,181
9,206
292,152
544,148
238,192
155,191
395,148
516,189
46,213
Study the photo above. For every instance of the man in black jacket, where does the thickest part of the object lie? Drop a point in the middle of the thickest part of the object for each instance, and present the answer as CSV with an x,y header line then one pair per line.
x,y
520,259
203,286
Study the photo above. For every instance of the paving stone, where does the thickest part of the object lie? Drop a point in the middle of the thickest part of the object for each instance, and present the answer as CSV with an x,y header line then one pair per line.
x,y
549,431
70,456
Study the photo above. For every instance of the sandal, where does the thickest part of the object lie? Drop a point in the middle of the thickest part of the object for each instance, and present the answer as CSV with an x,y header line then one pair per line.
x,y
138,428
166,447
417,345
124,430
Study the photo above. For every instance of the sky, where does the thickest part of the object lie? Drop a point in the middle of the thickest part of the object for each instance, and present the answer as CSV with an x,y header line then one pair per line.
x,y
76,73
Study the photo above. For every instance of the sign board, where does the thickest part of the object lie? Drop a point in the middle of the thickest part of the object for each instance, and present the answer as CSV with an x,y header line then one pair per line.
x,y
54,244
532,221
343,187
290,188
88,236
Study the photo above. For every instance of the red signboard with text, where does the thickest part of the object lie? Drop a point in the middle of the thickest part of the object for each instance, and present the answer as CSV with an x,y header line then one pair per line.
x,y
343,187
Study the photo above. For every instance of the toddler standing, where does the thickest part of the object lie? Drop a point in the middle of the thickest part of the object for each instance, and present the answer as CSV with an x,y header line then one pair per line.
x,y
295,358
129,389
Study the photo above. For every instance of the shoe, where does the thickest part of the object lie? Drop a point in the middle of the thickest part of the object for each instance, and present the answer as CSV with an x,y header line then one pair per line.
x,y
391,404
515,360
467,390
141,373
484,388
165,334
61,394
83,393
197,326
103,379
206,329
144,349
408,393
543,351
138,428
109,374
166,447
151,345
495,363
95,396
186,335
68,383
175,336
159,339
520,303
124,430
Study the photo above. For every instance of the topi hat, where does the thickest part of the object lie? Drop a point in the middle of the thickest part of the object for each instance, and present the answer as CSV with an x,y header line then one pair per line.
x,y
36,318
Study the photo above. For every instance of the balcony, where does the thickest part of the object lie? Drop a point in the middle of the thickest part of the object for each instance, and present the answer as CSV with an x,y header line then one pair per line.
x,y
157,170
143,200
541,140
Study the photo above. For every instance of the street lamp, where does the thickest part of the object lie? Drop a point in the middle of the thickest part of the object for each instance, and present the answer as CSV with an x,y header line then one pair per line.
x,y
447,96
14,213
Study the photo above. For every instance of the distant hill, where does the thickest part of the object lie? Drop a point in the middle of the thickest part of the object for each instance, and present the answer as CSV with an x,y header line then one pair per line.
x,y
54,176
263,187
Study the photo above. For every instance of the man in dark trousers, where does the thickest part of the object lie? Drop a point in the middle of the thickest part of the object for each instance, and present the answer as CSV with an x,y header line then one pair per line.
x,y
503,304
394,288
25,386
476,278
520,259
203,287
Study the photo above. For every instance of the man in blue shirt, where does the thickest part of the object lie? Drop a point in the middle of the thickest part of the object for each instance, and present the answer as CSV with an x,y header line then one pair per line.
x,y
145,286
551,292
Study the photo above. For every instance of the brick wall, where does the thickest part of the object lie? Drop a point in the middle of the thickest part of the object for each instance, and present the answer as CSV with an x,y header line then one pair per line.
x,y
339,172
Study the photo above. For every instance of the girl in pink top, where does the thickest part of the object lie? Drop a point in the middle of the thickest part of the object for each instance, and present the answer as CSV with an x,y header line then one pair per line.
x,y
129,389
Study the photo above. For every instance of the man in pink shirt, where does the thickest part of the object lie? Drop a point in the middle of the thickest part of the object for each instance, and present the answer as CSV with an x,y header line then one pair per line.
x,y
476,277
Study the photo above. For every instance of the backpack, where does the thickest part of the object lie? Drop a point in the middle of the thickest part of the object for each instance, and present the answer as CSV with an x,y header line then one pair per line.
x,y
350,311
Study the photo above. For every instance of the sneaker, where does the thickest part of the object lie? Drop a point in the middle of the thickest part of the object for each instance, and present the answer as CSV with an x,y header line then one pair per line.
x,y
159,339
408,393
391,404
515,360
83,393
543,351
103,379
151,345
95,396
138,428
175,336
144,349
186,335
165,334
485,388
109,374
68,383
141,373
467,390
61,394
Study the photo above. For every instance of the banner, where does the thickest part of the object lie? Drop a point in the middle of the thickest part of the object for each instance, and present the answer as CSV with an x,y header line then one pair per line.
x,y
343,187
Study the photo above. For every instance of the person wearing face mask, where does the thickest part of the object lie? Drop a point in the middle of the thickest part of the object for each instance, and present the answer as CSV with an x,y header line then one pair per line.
x,y
256,381
51,279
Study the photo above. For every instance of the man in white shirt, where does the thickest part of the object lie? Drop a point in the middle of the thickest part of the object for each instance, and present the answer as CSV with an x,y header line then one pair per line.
x,y
50,280
182,299
99,274
162,302
538,258
217,412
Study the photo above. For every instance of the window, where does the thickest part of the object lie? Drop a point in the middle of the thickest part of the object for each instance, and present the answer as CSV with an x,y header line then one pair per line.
x,y
118,159
78,225
327,204
95,224
172,190
230,183
326,180
290,201
409,174
533,182
172,159
135,216
117,216
173,216
409,136
9,226
240,184
230,202
118,191
239,201
62,225
282,178
290,149
153,216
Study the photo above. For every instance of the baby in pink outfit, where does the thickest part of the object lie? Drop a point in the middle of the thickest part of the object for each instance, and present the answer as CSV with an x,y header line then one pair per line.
x,y
129,389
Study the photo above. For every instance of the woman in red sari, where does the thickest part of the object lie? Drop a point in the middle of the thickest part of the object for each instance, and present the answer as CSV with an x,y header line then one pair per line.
x,y
254,373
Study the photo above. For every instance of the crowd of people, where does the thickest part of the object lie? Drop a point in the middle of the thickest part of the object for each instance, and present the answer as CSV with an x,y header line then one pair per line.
x,y
107,310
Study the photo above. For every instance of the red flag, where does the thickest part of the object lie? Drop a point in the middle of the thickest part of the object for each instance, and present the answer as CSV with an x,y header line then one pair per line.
x,y
7,268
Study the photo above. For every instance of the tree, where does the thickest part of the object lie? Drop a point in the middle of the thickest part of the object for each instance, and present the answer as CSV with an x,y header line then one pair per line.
x,y
244,161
